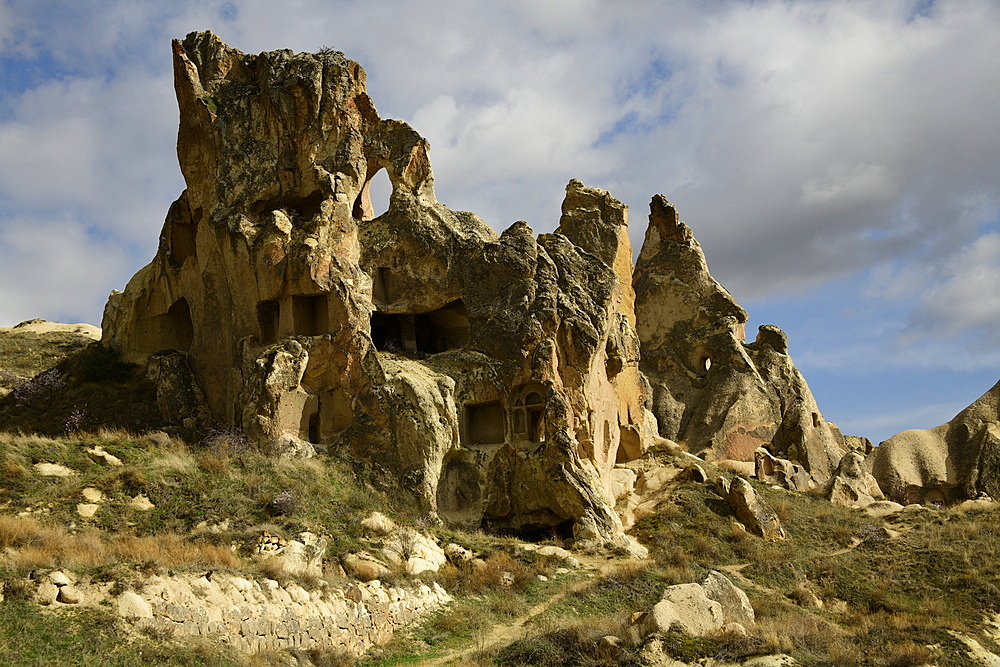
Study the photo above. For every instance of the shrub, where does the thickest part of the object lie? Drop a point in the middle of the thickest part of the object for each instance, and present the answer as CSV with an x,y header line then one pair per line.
x,y
104,364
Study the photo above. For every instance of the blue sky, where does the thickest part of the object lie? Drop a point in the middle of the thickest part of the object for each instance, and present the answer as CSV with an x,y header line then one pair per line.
x,y
839,161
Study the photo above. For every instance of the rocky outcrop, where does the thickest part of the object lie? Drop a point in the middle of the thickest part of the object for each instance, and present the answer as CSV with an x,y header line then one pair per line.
x,y
719,396
852,485
496,375
945,465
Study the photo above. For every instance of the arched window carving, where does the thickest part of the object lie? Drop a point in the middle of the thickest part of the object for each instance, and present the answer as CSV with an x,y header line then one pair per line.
x,y
528,413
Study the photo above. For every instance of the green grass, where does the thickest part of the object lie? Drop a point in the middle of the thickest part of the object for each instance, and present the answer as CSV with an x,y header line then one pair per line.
x,y
30,636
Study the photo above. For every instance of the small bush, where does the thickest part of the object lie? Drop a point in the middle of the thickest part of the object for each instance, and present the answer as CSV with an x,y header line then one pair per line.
x,y
104,364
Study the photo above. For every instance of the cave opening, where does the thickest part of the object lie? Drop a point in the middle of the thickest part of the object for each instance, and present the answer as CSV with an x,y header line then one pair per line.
x,y
440,330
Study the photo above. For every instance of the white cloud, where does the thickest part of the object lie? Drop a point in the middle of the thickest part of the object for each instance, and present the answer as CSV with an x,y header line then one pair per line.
x,y
55,270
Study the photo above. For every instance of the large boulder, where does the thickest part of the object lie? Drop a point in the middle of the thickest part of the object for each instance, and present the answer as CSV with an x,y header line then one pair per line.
x,y
753,511
687,608
736,607
947,464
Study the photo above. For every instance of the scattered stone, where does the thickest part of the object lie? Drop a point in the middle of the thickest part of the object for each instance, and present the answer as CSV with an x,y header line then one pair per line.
x,y
70,595
54,470
60,578
132,606
417,553
378,523
882,508
141,503
753,512
542,577
736,607
301,557
362,565
687,607
458,554
734,628
92,495
609,649
696,473
622,482
46,593
98,455
292,447
87,510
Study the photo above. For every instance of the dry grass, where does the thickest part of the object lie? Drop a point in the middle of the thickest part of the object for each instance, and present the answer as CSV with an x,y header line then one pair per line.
x,y
26,543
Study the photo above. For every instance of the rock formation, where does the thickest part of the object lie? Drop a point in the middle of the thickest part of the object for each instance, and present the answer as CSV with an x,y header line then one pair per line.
x,y
953,462
719,396
496,375
852,485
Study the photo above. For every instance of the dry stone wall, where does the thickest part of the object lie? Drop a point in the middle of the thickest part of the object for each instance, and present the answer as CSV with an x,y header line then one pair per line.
x,y
254,616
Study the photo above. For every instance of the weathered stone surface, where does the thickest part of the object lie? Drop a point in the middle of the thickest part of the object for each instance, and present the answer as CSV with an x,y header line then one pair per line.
x,y
852,485
736,607
753,512
379,524
54,470
686,607
301,557
712,392
133,606
784,473
473,366
364,566
953,462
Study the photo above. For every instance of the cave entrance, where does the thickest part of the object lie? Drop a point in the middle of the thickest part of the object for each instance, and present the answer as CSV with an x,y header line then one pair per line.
x,y
437,331
267,320
176,330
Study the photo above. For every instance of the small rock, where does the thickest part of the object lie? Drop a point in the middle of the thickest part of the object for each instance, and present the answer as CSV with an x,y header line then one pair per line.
x,y
354,593
142,503
47,593
542,577
696,473
458,554
378,523
736,607
53,470
753,511
92,495
688,608
87,510
98,455
882,508
362,565
734,628
59,578
609,649
131,605
70,595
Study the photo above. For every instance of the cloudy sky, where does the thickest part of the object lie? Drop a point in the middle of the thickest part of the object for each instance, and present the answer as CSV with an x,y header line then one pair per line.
x,y
838,160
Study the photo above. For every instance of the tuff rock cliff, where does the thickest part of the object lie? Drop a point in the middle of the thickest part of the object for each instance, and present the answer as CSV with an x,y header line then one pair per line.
x,y
953,462
498,376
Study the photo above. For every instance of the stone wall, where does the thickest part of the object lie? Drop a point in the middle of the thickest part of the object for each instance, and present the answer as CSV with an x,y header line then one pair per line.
x,y
256,616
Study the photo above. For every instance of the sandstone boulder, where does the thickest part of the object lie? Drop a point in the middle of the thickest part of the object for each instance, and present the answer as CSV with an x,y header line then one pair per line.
x,y
782,472
736,607
753,511
686,607
364,566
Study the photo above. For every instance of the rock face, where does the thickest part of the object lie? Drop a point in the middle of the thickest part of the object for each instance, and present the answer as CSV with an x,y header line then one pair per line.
x,y
852,485
953,462
714,393
496,375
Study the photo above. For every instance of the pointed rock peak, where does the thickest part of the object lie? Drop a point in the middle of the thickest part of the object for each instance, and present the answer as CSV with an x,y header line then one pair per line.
x,y
663,216
773,337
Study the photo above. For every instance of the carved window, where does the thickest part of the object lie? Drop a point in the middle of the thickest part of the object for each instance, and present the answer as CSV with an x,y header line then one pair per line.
x,y
484,423
528,414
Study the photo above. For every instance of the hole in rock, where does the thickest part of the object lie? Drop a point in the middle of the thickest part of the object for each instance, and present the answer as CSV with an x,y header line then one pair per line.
x,y
529,413
530,532
182,243
815,420
373,200
484,423
175,328
437,331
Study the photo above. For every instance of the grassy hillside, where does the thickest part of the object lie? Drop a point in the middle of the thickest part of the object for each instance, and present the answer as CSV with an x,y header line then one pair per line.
x,y
844,589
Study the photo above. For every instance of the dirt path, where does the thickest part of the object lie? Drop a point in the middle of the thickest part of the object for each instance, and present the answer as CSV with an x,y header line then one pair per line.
x,y
506,633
